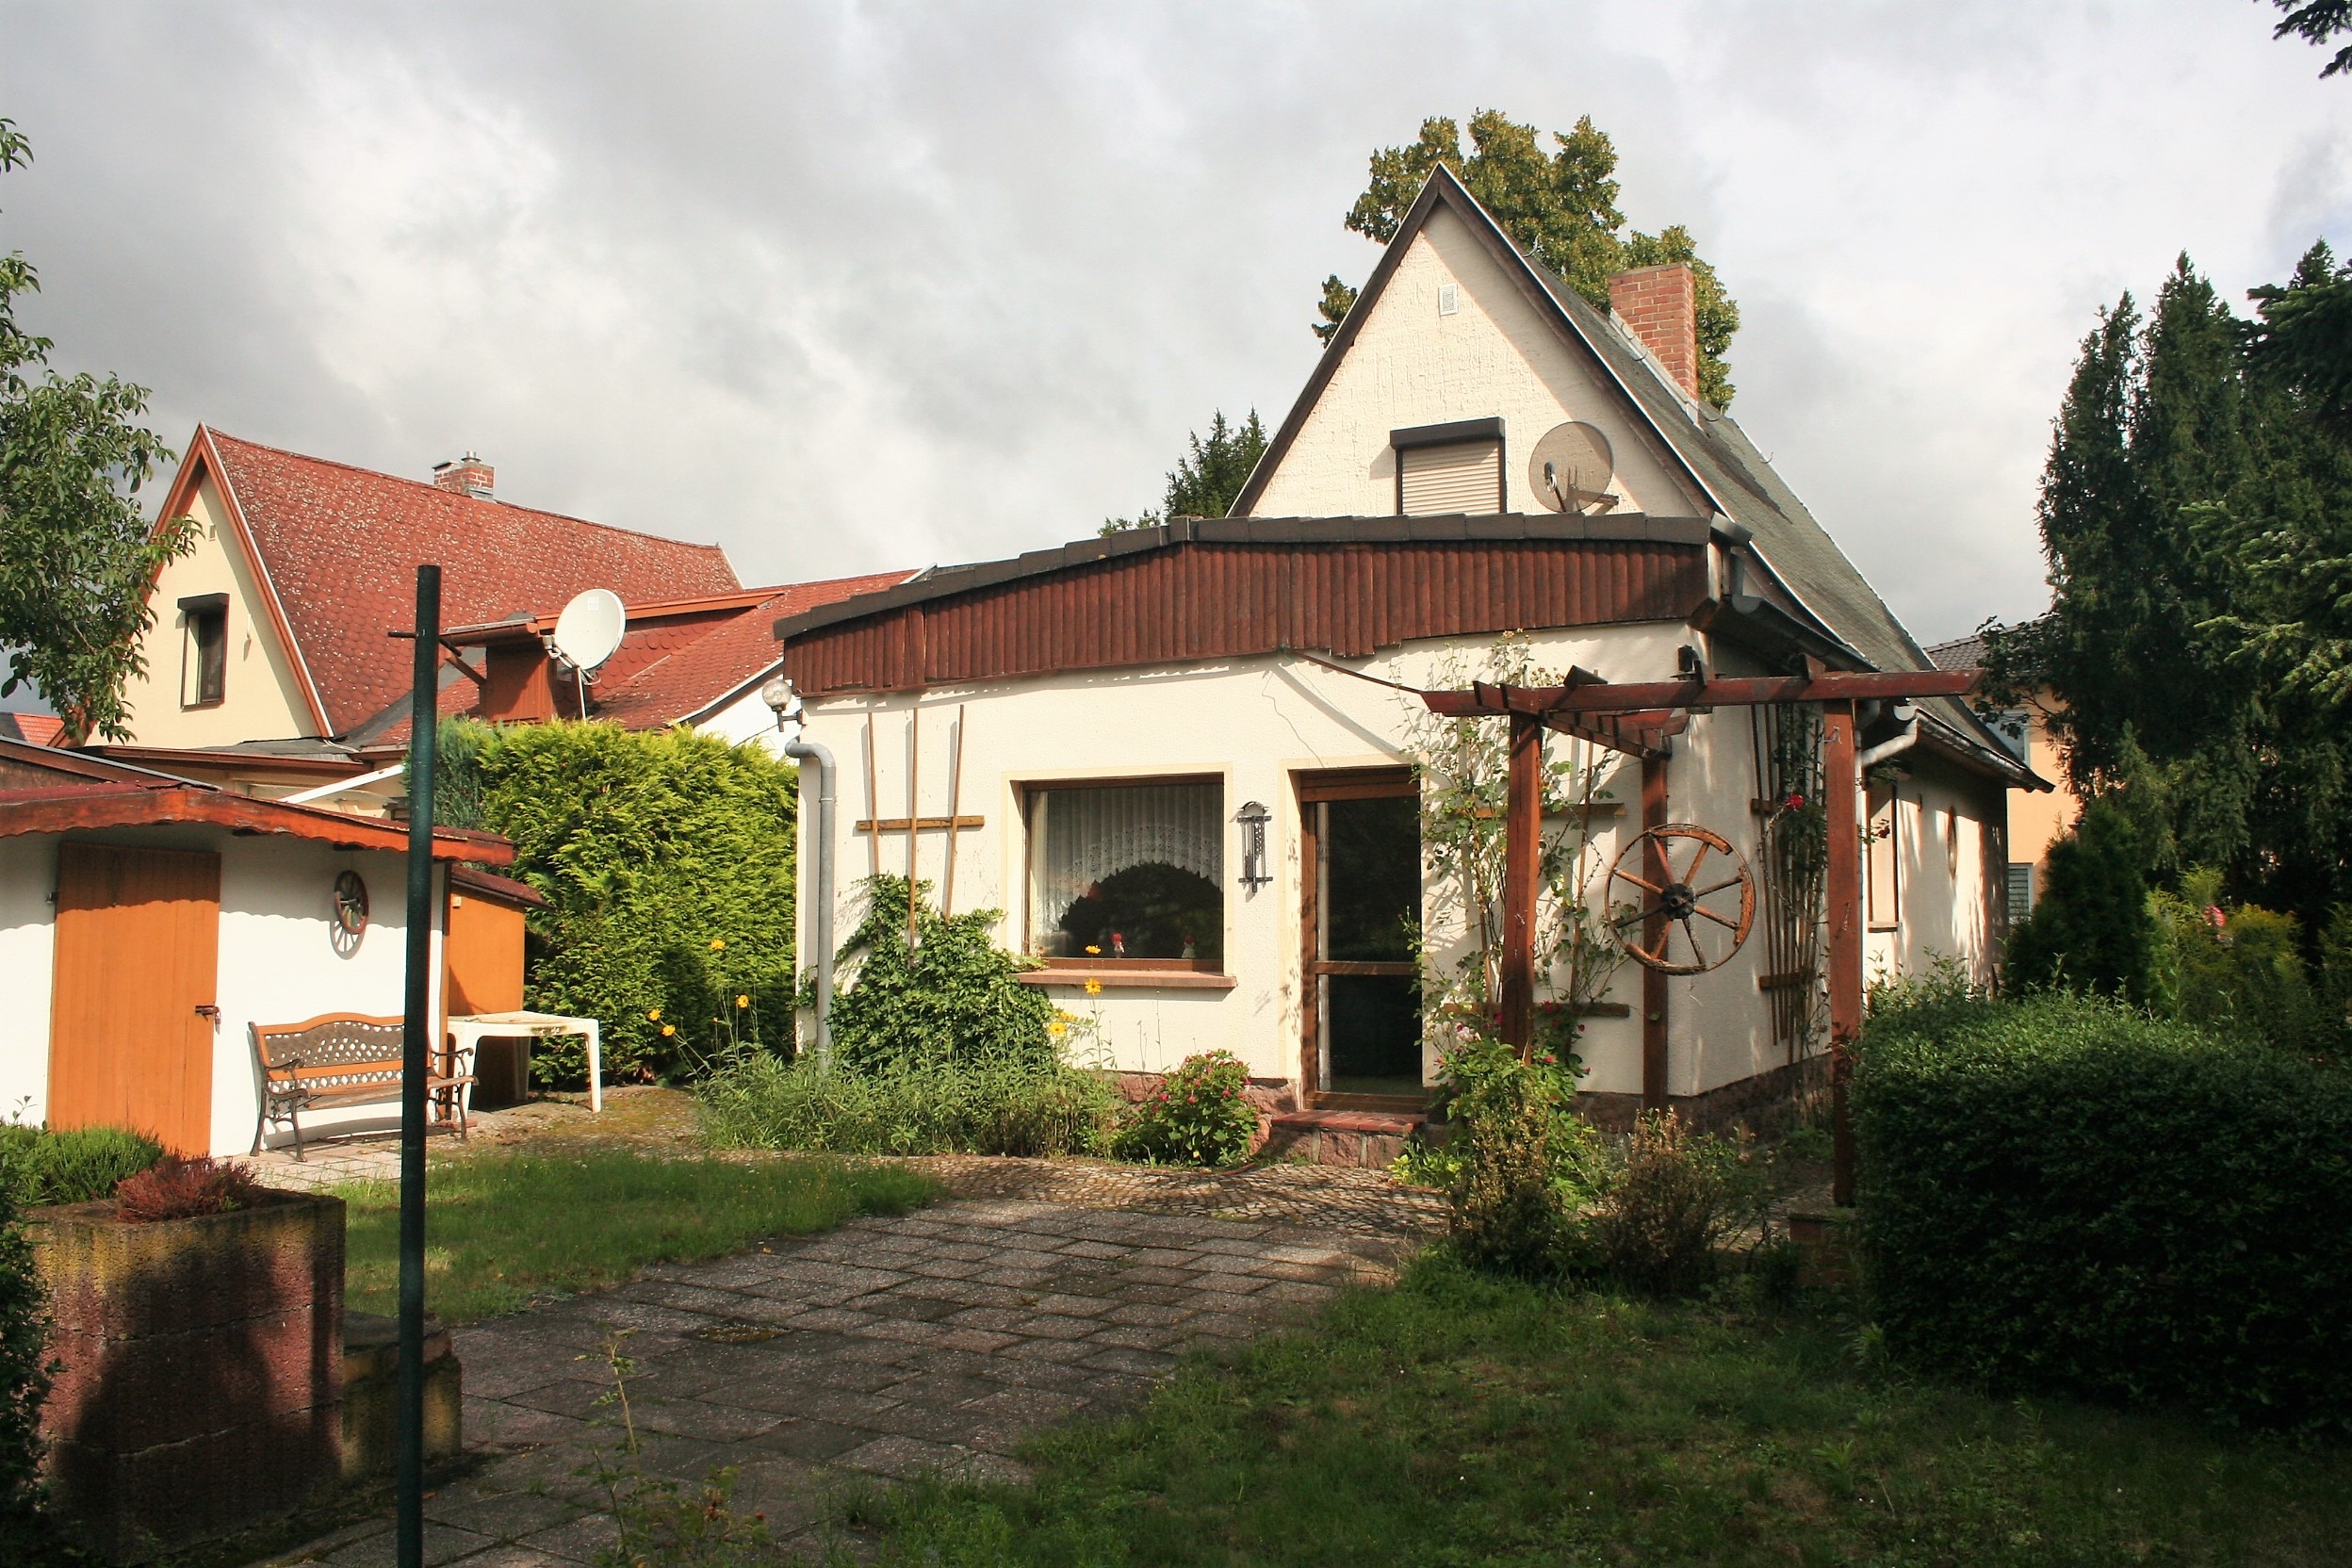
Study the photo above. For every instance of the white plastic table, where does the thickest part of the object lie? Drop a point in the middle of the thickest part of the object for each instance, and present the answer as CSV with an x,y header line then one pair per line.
x,y
467,1031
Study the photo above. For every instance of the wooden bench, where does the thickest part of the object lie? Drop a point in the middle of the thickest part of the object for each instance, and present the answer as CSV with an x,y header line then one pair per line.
x,y
344,1059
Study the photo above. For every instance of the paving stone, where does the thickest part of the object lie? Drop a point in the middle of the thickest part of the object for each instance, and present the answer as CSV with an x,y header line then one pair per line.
x,y
1046,1325
1121,1359
442,1545
704,1418
812,1440
503,1517
1136,1337
906,1458
577,1542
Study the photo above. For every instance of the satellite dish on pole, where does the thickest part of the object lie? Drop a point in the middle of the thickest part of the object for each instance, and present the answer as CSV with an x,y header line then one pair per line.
x,y
590,629
586,634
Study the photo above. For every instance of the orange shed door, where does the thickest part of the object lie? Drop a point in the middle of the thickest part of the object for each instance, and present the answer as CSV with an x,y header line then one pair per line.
x,y
130,1021
485,950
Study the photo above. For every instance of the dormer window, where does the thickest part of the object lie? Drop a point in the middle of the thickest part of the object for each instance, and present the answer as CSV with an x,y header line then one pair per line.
x,y
205,649
1450,467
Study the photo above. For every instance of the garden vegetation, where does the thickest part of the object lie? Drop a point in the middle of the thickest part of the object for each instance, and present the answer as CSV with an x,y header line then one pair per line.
x,y
2066,1193
666,860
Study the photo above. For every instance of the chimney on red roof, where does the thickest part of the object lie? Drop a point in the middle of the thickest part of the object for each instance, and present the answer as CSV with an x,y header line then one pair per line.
x,y
468,476
1660,306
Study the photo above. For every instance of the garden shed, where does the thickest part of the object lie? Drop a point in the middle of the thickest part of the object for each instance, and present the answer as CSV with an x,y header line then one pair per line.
x,y
1192,764
147,921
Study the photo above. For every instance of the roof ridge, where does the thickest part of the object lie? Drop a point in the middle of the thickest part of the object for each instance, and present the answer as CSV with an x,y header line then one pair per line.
x,y
219,435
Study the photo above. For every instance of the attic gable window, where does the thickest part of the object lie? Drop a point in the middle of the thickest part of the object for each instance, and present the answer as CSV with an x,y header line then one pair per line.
x,y
1450,467
205,649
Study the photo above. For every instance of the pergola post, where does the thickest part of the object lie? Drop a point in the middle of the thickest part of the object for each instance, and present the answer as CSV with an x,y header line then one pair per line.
x,y
1844,877
1655,997
1523,871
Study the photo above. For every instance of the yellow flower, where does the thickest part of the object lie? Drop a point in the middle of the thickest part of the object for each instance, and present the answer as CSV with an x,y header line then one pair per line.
x,y
718,944
1057,1028
669,1029
1094,988
742,1001
654,1017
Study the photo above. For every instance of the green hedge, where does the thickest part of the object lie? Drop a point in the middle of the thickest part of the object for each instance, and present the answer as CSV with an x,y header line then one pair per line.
x,y
2066,1194
666,859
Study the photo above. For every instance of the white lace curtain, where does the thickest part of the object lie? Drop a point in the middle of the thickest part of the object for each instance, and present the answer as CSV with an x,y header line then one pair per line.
x,y
1080,836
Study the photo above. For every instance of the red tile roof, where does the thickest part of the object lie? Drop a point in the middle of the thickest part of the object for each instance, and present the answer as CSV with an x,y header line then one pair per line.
x,y
340,547
680,671
40,729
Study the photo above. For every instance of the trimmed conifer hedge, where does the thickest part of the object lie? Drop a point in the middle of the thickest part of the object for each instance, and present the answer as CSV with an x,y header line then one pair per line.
x,y
2064,1193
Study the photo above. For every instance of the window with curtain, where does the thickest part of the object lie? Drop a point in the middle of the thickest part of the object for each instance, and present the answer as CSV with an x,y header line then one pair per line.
x,y
1131,871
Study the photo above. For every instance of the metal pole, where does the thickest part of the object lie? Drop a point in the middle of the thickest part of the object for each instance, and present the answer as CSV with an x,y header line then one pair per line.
x,y
417,1028
954,804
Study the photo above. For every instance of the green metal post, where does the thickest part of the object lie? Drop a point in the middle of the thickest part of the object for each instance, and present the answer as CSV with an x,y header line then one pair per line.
x,y
416,1046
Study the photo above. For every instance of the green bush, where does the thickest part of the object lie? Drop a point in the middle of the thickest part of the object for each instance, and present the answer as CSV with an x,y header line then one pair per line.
x,y
1199,1114
39,1166
1657,1225
2091,929
1522,1163
2066,1193
954,997
666,860
753,1101
24,1529
2238,973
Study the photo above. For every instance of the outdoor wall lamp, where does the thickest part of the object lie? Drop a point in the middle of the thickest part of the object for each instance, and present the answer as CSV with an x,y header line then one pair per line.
x,y
1253,818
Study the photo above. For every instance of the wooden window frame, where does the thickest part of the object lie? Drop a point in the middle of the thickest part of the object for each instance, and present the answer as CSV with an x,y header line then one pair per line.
x,y
211,674
1190,973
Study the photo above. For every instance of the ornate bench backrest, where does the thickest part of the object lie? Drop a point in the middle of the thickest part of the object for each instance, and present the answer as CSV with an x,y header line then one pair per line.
x,y
317,1048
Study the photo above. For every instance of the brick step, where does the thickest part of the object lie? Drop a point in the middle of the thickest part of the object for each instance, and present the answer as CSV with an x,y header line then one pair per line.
x,y
1365,1139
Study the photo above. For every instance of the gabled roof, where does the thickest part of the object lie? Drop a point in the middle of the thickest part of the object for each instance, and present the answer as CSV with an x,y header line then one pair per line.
x,y
335,551
40,729
1704,443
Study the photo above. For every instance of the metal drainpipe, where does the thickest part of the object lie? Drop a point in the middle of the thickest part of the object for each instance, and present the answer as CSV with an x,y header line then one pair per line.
x,y
788,722
1879,753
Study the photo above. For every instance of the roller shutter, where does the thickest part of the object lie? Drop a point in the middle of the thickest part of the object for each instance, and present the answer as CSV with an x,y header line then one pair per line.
x,y
1460,476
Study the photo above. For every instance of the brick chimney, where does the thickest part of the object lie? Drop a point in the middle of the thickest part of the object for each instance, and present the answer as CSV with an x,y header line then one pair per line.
x,y
468,476
1660,305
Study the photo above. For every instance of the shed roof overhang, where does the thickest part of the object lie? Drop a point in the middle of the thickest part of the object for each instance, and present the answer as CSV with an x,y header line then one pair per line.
x,y
71,808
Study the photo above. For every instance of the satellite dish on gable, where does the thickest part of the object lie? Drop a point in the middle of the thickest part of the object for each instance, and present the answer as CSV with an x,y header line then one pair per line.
x,y
590,628
1571,467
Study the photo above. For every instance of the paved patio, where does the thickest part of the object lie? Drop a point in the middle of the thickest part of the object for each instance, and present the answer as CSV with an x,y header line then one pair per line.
x,y
932,1343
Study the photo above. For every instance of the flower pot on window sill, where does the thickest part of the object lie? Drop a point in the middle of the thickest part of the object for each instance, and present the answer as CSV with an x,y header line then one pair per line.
x,y
200,1381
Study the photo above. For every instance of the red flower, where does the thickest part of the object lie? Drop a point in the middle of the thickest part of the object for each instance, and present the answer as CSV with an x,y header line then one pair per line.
x,y
1795,801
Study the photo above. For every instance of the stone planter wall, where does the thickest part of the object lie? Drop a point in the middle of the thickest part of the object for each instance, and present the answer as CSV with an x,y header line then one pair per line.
x,y
371,1381
201,1380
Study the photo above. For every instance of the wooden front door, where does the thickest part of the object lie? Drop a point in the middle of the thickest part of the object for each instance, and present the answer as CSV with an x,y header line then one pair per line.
x,y
131,1020
1361,839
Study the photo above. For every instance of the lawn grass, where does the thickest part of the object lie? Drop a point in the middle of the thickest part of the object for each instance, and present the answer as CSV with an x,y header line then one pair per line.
x,y
1459,1420
501,1229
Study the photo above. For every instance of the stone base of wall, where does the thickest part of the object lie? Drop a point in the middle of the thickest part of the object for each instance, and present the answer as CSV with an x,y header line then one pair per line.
x,y
371,1378
200,1381
1764,1103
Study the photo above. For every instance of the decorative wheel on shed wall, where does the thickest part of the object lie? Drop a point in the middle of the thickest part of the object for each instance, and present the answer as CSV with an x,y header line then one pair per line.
x,y
1694,886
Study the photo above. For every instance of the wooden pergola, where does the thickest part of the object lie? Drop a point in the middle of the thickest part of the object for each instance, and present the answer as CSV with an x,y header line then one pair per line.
x,y
1640,719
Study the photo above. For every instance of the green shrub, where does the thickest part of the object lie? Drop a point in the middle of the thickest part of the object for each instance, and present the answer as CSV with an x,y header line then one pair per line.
x,y
2066,1193
1199,1114
954,997
2242,975
753,1101
666,860
2091,929
1657,1225
25,1531
39,1166
1523,1165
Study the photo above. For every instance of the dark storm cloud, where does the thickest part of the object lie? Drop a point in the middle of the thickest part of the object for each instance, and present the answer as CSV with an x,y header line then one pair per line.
x,y
849,287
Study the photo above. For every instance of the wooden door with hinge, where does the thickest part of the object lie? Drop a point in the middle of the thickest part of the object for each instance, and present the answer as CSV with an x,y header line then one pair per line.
x,y
132,1018
1360,840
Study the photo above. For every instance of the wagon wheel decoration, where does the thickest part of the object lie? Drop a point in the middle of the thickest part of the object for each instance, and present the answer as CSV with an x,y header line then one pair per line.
x,y
1710,899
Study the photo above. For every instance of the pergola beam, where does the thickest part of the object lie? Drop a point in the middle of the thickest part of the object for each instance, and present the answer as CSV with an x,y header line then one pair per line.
x,y
1599,696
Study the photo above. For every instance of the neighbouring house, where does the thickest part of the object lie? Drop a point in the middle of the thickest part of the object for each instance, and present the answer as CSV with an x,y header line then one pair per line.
x,y
1212,840
2037,818
270,670
147,921
40,729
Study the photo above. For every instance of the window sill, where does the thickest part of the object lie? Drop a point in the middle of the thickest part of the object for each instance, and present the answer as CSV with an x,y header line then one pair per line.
x,y
1146,979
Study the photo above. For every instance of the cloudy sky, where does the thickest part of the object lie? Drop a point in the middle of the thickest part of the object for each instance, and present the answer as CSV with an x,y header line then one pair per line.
x,y
852,286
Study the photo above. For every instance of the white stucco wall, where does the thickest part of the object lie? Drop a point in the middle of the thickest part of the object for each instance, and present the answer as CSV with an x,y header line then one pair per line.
x,y
1946,848
1254,724
278,963
1494,355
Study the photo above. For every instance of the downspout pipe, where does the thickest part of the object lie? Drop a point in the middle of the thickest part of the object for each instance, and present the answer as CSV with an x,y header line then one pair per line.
x,y
779,696
1902,741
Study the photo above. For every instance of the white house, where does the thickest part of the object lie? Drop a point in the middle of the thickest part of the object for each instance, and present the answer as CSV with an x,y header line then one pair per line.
x,y
147,921
1115,725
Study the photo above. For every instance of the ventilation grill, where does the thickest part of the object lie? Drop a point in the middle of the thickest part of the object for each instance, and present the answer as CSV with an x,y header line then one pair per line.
x,y
1463,476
